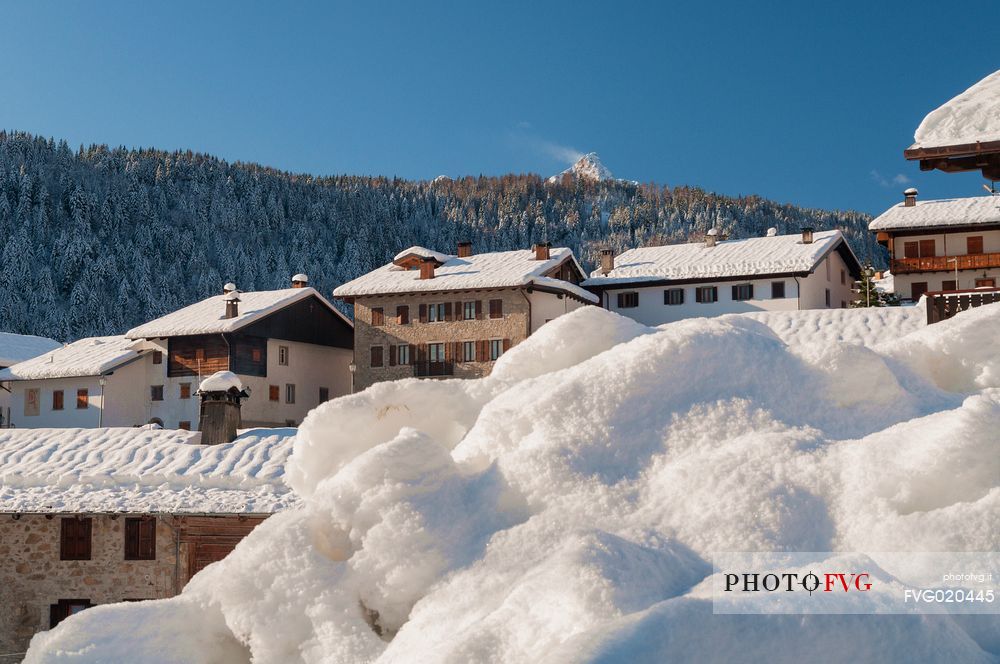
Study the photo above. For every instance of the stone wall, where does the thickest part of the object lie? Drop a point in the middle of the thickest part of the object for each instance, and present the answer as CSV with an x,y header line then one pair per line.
x,y
513,325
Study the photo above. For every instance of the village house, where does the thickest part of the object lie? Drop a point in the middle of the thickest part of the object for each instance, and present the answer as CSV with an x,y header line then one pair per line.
x,y
941,245
290,348
429,314
656,285
95,516
16,348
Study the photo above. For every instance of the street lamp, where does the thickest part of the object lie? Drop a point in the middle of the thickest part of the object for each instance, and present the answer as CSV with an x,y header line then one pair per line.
x,y
869,272
352,367
102,381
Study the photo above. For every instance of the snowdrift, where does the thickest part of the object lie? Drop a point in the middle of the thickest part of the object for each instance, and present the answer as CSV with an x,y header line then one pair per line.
x,y
566,507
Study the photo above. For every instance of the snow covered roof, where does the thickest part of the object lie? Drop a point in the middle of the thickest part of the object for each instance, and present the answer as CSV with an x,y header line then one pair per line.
x,y
16,348
143,471
778,254
498,269
92,356
944,212
970,117
208,316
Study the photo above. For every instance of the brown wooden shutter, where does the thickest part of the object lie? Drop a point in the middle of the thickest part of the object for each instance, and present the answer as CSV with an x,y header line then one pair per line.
x,y
403,314
459,311
132,539
481,351
423,313
378,317
974,244
479,309
448,316
927,248
392,355
448,357
911,249
147,539
422,352
74,539
496,308
506,345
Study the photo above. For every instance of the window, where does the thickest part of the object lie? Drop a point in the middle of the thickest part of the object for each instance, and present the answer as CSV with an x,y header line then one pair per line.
x,y
706,294
743,292
911,250
64,608
290,393
82,399
403,354
57,400
157,357
74,538
990,282
435,352
827,298
843,277
185,390
496,308
324,394
436,313
184,425
376,356
403,314
469,310
949,284
496,348
974,244
140,538
777,290
273,393
673,296
255,355
283,356
468,351
628,300
156,393
927,248
32,401
917,289
378,317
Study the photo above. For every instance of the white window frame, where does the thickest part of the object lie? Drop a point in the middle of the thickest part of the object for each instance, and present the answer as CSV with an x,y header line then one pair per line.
x,y
496,345
283,354
289,393
403,354
469,310
432,347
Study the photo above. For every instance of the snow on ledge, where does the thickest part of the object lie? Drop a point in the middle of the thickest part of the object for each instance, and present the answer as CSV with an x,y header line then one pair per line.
x,y
970,117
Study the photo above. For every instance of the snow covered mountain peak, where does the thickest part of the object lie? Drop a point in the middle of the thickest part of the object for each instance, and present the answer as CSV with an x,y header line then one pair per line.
x,y
588,166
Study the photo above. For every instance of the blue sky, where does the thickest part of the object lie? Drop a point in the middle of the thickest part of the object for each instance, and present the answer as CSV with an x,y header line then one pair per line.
x,y
800,102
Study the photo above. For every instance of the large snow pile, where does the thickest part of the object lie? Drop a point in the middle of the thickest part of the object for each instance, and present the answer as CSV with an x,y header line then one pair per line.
x,y
970,117
565,508
868,325
142,470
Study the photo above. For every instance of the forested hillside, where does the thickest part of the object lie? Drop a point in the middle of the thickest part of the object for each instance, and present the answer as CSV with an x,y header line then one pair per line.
x,y
97,240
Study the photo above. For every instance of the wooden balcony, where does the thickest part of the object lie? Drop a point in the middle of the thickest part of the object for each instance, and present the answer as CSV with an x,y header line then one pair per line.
x,y
944,263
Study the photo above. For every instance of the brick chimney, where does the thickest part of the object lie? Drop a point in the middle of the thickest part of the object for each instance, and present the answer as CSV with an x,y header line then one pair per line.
x,y
427,268
221,394
464,249
232,300
807,235
300,281
542,251
910,197
607,260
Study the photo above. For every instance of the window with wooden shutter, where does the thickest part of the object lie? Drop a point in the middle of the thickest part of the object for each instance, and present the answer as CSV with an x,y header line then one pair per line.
x,y
482,351
742,292
403,355
64,608
496,308
255,355
156,393
974,244
378,317
927,248
506,345
403,314
82,399
140,538
949,284
185,390
157,357
273,393
184,425
911,250
392,355
57,400
468,351
479,309
673,296
376,356
777,290
74,538
917,289
422,313
706,294
448,316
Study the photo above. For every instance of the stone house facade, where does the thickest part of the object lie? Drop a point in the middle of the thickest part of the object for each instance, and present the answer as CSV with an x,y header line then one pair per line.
x,y
56,564
433,315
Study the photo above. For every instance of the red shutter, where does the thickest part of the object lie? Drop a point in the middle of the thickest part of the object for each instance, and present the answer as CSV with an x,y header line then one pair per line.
x,y
481,351
479,309
403,314
392,356
459,311
423,313
506,345
132,539
448,357
147,539
447,312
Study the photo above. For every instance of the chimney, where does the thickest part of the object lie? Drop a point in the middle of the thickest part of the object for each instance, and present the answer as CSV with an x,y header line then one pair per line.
x,y
807,235
542,251
711,236
427,268
464,249
221,394
300,281
910,197
772,232
232,300
228,288
607,261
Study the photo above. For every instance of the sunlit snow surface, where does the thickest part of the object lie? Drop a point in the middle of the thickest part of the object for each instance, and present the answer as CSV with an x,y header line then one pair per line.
x,y
565,509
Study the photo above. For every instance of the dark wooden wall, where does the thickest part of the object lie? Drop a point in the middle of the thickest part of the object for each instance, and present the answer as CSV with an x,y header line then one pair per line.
x,y
309,321
182,355
241,358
